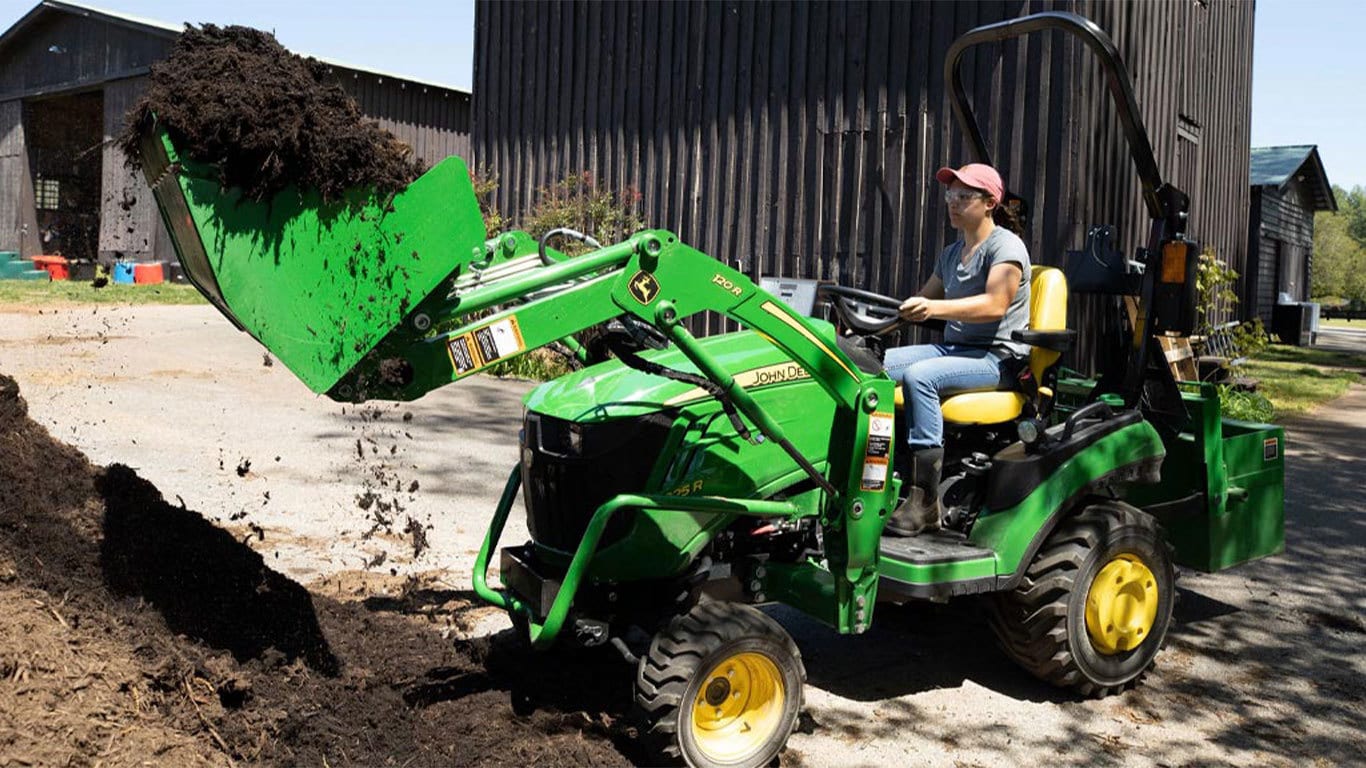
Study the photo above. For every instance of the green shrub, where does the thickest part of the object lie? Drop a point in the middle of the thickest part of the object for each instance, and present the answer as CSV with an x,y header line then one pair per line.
x,y
578,203
575,202
485,184
1214,285
1250,338
1245,406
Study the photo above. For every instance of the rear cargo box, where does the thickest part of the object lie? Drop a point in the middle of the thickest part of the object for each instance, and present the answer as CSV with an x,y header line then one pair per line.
x,y
1222,495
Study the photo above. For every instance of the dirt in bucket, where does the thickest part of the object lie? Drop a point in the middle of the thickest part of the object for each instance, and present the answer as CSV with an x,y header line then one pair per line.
x,y
136,632
268,119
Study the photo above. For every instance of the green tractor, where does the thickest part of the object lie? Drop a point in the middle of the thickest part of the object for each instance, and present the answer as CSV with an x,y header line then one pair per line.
x,y
681,482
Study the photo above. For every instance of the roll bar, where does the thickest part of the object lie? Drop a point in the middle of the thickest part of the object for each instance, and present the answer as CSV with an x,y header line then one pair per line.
x,y
1162,200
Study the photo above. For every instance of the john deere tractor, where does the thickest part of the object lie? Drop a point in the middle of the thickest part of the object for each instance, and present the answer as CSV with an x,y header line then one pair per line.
x,y
681,482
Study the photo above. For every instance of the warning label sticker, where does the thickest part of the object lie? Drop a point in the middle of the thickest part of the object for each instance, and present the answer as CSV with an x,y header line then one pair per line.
x,y
881,425
462,354
875,460
486,345
874,475
1271,449
499,340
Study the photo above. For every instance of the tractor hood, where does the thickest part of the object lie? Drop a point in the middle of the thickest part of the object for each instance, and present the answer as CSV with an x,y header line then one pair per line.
x,y
611,390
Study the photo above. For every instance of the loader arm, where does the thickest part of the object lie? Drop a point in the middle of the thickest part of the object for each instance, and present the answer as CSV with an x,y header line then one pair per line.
x,y
661,281
392,298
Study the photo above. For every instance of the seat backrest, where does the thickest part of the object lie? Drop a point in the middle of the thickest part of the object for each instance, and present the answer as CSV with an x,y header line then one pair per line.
x,y
1047,312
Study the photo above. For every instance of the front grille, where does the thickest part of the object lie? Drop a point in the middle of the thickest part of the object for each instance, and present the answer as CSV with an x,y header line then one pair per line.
x,y
570,469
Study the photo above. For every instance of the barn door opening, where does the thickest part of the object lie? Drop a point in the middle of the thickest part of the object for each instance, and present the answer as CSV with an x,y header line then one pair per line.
x,y
65,138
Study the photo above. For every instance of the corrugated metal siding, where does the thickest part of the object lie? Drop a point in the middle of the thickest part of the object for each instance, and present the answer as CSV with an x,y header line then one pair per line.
x,y
799,138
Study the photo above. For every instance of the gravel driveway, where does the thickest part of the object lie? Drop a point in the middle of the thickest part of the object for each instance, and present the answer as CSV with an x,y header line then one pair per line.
x,y
1263,666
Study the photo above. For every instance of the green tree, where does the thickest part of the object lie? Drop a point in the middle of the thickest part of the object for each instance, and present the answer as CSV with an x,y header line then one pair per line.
x,y
1334,252
1340,248
1352,205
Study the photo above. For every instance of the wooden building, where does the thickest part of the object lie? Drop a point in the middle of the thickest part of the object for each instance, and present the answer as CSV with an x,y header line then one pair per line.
x,y
68,73
800,138
1288,186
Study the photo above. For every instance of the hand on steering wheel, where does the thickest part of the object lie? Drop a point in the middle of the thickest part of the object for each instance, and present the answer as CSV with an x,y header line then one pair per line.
x,y
915,309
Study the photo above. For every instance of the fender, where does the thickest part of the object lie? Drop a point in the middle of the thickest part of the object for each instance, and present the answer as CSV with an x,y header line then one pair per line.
x,y
1028,494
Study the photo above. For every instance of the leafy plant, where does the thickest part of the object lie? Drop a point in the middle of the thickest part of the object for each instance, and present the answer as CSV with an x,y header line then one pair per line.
x,y
575,202
1215,284
485,184
1243,405
1250,338
1215,290
578,203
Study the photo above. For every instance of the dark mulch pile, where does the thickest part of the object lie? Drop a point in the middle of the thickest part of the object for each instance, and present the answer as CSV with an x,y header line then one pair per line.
x,y
133,631
268,119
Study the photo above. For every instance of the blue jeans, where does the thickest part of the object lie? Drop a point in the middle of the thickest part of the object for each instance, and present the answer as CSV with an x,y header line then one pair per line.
x,y
929,372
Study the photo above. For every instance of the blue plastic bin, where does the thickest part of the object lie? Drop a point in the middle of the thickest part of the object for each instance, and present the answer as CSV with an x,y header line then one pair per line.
x,y
123,273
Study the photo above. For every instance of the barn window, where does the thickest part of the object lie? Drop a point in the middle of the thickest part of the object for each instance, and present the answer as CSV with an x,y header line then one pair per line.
x,y
46,193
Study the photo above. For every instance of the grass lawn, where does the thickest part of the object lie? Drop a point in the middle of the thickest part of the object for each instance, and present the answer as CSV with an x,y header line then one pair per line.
x,y
39,293
1298,379
1338,322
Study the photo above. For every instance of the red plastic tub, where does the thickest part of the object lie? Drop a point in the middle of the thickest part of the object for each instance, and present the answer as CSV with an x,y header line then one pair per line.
x,y
55,266
148,273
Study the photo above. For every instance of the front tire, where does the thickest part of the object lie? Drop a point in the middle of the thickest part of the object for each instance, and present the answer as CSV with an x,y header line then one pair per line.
x,y
720,686
1094,607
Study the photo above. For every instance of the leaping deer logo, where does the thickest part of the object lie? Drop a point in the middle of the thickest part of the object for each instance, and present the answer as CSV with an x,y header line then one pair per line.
x,y
643,287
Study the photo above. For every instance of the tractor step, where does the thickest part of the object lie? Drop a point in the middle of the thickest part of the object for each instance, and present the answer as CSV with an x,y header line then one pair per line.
x,y
935,565
933,548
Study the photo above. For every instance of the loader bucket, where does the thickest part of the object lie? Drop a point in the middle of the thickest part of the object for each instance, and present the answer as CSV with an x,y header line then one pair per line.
x,y
319,285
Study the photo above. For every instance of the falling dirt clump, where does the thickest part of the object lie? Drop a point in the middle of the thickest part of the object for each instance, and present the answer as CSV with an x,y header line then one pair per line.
x,y
137,632
233,97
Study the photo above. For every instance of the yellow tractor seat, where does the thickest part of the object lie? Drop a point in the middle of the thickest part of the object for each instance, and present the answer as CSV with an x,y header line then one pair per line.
x,y
1047,312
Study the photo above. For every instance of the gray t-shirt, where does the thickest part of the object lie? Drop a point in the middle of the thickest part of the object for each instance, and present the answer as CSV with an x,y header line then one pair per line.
x,y
961,280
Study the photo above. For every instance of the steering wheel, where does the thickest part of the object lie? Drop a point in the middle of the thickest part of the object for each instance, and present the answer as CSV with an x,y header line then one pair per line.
x,y
882,313
864,312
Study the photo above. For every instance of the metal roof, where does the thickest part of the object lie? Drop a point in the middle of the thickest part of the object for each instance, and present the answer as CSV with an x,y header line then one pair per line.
x,y
1277,166
164,29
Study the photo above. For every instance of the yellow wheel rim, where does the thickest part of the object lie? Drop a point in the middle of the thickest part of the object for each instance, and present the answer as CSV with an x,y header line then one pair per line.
x,y
738,707
1121,605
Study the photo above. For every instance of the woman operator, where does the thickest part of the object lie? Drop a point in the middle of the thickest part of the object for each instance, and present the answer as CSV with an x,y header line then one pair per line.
x,y
980,287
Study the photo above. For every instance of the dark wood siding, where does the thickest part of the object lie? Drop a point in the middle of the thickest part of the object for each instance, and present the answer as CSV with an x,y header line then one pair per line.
x,y
59,52
18,222
1281,240
62,51
129,223
434,121
799,138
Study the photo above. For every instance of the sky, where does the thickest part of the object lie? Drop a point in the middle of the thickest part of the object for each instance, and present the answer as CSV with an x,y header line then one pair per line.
x,y
429,40
1308,86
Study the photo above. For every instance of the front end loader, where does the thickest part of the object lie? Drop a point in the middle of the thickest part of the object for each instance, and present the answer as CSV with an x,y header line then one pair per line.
x,y
681,482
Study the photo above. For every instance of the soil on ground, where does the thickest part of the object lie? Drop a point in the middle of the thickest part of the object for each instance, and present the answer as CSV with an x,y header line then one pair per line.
x,y
135,631
268,119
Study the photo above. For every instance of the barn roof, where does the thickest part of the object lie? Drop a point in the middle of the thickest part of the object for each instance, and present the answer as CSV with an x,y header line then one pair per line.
x,y
1277,166
167,30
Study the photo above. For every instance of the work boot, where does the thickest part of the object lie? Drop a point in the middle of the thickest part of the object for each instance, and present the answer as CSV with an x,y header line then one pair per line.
x,y
920,511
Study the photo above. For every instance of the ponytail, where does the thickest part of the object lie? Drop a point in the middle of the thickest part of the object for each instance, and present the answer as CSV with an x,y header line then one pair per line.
x,y
1005,216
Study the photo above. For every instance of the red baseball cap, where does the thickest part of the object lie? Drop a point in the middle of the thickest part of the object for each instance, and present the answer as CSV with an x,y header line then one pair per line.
x,y
978,176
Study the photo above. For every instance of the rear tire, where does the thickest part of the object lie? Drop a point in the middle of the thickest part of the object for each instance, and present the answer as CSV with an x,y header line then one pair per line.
x,y
720,686
1094,606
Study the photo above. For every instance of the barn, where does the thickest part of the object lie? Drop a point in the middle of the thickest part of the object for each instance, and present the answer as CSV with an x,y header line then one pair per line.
x,y
69,72
1289,185
799,138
